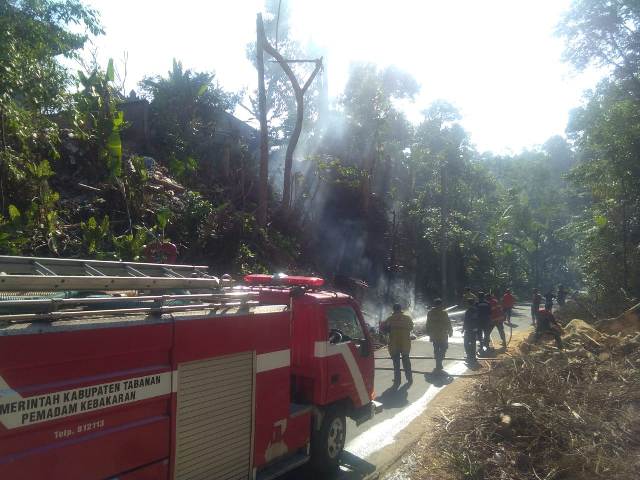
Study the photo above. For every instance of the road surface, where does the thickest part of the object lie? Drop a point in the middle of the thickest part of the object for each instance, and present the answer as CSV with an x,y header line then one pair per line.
x,y
403,405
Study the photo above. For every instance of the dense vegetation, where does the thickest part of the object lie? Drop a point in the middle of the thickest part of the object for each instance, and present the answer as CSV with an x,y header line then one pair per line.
x,y
411,209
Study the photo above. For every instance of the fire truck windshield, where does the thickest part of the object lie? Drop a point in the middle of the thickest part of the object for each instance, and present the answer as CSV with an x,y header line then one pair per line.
x,y
344,319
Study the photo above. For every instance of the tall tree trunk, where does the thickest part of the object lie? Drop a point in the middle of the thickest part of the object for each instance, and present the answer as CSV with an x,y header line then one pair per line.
x,y
444,213
386,176
2,173
291,146
263,181
368,167
295,135
625,241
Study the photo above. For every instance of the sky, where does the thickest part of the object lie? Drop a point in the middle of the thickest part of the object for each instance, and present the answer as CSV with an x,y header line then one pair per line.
x,y
497,61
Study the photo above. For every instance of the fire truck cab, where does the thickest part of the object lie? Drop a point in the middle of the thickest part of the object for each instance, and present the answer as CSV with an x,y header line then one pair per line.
x,y
107,373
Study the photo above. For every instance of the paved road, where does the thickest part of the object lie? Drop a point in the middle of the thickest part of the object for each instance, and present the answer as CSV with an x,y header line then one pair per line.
x,y
404,404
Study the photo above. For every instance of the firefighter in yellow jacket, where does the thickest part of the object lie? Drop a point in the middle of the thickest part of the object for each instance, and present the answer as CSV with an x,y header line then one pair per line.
x,y
439,330
399,326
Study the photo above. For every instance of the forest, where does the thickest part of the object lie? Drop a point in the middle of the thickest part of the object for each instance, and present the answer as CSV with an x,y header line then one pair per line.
x,y
413,210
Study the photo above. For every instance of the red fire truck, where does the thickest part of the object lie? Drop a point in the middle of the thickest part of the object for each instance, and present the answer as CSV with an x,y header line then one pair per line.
x,y
141,371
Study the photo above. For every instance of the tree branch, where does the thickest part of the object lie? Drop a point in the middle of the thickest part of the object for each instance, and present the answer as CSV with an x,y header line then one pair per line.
x,y
295,135
248,110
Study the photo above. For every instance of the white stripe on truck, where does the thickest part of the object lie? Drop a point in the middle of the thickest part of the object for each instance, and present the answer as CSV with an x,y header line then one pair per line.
x,y
272,360
328,349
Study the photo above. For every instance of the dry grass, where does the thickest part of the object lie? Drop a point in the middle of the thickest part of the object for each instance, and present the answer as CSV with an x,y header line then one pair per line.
x,y
546,414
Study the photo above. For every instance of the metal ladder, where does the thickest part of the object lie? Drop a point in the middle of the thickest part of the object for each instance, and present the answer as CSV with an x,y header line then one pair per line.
x,y
55,274
19,275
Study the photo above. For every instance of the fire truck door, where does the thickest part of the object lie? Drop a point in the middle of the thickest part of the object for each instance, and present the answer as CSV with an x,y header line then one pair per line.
x,y
349,356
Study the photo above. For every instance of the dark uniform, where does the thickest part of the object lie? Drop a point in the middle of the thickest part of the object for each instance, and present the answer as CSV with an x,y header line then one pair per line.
x,y
547,323
484,322
470,326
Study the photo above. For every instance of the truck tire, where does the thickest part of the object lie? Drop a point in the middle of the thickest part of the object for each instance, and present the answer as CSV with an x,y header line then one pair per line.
x,y
327,443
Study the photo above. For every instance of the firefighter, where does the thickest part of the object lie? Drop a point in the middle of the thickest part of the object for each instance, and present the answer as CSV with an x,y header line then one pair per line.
x,y
470,331
535,305
468,295
399,326
439,330
497,318
484,321
508,302
547,323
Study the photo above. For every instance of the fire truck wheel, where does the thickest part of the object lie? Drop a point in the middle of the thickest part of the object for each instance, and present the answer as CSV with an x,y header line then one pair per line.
x,y
328,442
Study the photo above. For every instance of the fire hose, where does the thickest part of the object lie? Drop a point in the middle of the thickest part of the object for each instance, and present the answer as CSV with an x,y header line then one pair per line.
x,y
427,357
461,375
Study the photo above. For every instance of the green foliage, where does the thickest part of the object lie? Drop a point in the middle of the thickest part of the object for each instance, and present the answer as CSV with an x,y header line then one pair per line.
x,y
95,236
381,199
33,87
185,107
98,241
36,226
606,34
12,237
162,219
332,170
99,123
607,133
245,261
130,246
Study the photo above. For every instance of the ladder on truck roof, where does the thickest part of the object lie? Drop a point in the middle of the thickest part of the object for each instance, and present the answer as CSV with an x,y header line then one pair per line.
x,y
35,275
46,274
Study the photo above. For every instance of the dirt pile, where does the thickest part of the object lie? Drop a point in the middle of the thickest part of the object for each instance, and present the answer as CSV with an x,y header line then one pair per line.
x,y
627,323
550,414
577,307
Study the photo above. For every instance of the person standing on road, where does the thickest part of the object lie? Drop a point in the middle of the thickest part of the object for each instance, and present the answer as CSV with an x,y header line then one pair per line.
x,y
439,330
547,323
535,305
470,332
508,302
484,322
399,326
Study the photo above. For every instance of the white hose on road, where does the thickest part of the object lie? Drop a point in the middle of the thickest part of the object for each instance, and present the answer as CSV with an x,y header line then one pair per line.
x,y
384,433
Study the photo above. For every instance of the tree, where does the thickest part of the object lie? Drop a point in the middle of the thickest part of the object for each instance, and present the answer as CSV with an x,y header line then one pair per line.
x,y
530,237
33,89
370,117
441,155
185,106
289,109
605,34
607,133
299,92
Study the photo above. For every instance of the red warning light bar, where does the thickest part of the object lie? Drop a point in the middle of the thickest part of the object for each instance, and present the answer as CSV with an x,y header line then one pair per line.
x,y
292,280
